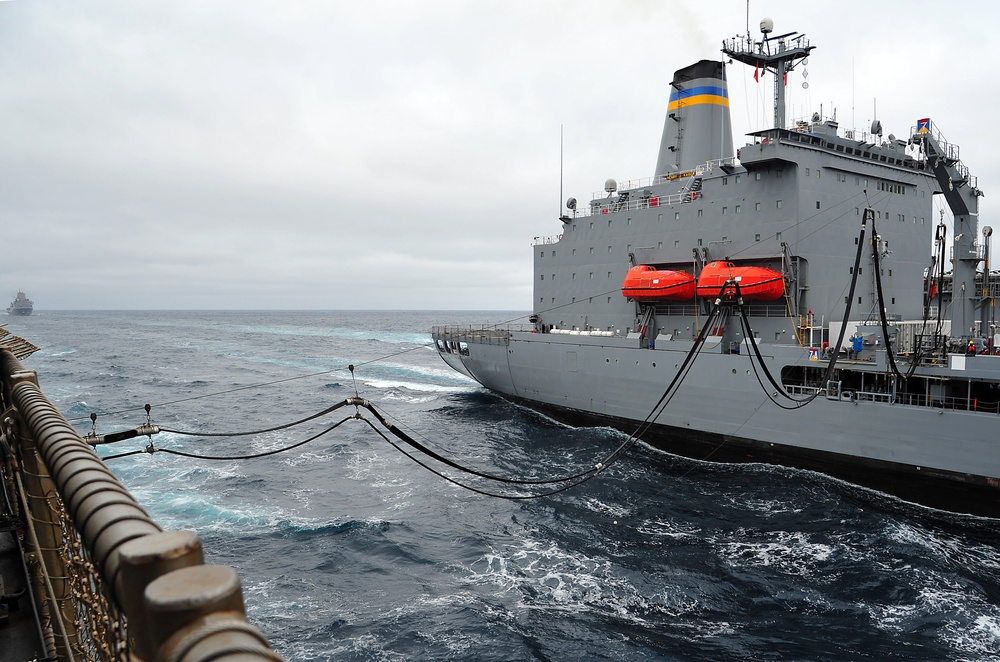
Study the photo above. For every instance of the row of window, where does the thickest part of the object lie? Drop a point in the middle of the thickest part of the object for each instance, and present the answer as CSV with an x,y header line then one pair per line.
x,y
756,238
861,270
737,209
659,246
891,187
591,300
553,300
879,214
847,299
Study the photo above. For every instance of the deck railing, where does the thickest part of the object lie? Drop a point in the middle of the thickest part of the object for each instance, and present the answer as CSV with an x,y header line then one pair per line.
x,y
486,335
109,583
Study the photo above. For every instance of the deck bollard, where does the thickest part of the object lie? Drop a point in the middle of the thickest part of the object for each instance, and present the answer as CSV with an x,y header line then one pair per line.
x,y
143,560
197,613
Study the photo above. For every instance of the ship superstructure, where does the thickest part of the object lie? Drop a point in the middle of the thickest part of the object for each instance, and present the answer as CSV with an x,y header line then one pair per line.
x,y
21,305
816,249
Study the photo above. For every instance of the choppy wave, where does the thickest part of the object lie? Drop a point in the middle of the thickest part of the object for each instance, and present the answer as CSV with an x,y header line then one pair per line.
x,y
347,550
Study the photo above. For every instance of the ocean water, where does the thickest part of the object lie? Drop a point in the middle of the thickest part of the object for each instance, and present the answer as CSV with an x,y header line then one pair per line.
x,y
348,550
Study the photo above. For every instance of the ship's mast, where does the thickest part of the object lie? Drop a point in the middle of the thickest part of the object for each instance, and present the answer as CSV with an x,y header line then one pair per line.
x,y
779,55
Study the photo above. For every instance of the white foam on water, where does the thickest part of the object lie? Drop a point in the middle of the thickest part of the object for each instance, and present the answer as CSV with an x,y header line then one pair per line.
x,y
547,577
961,616
308,458
668,529
613,511
443,373
773,506
368,646
419,386
410,399
788,552
945,548
981,638
452,642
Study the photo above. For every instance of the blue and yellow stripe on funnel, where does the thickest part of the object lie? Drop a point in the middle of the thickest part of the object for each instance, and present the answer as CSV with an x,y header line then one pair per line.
x,y
702,94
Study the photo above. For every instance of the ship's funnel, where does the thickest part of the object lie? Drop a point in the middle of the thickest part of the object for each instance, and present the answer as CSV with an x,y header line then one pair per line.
x,y
697,128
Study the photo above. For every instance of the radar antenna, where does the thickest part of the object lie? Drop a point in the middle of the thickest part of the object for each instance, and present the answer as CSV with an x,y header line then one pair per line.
x,y
779,54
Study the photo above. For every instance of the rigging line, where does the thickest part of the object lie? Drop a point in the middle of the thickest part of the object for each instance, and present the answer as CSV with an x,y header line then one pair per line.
x,y
825,225
115,457
865,192
810,218
749,334
547,310
830,369
559,307
554,308
777,389
440,458
354,381
685,368
869,213
725,440
259,385
881,301
792,226
429,442
252,456
710,320
657,409
931,280
941,235
397,432
671,389
495,495
252,432
748,331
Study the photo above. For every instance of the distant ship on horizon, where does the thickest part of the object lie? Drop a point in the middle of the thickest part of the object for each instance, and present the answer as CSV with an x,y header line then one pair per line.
x,y
21,305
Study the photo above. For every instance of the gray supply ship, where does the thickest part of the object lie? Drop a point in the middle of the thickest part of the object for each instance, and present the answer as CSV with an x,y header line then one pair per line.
x,y
793,302
21,305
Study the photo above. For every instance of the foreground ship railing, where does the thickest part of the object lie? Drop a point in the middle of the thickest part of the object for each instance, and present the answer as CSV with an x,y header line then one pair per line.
x,y
107,582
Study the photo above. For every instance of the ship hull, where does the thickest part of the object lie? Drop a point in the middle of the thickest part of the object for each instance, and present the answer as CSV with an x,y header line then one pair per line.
x,y
954,492
783,252
721,413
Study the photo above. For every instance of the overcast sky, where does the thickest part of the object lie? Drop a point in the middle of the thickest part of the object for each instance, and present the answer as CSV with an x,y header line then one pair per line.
x,y
397,155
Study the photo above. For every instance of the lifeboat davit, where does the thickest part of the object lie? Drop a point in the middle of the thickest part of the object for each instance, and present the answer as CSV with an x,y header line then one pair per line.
x,y
756,283
646,283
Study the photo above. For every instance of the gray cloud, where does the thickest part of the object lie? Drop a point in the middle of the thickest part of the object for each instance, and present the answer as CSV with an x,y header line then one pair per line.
x,y
388,154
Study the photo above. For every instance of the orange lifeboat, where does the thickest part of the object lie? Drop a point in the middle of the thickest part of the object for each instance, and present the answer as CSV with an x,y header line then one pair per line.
x,y
756,283
646,283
